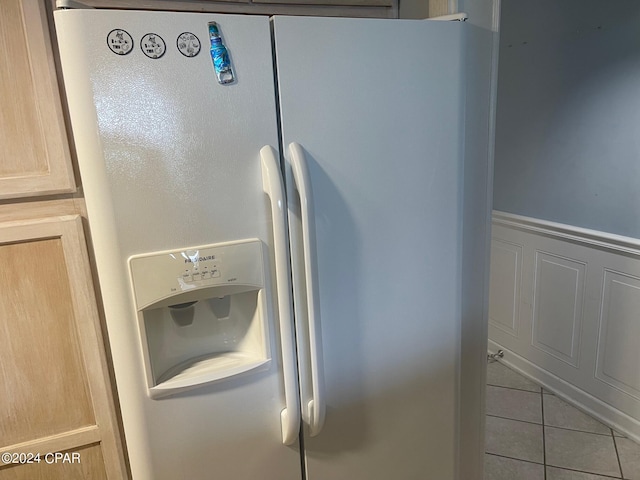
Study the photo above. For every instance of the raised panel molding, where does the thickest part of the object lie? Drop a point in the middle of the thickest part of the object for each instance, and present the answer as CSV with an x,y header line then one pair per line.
x,y
505,286
619,331
577,325
557,306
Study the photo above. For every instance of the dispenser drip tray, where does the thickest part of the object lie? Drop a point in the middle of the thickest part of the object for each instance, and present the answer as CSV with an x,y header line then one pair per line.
x,y
206,369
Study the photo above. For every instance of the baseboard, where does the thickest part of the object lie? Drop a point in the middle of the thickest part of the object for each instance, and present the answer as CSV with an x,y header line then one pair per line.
x,y
580,399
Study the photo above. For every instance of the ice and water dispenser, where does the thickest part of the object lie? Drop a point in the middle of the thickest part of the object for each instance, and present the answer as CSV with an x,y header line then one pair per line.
x,y
202,313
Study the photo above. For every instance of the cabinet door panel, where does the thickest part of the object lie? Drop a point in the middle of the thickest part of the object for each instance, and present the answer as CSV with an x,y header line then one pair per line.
x,y
358,3
43,376
34,155
53,375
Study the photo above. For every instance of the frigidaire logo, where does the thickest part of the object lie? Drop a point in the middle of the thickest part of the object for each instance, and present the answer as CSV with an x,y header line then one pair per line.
x,y
199,259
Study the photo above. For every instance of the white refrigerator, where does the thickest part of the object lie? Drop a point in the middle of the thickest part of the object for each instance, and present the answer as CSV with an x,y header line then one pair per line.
x,y
278,238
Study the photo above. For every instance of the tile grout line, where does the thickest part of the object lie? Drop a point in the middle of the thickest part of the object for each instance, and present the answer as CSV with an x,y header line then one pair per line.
x,y
513,419
586,472
544,444
552,466
516,388
550,426
579,431
615,445
514,458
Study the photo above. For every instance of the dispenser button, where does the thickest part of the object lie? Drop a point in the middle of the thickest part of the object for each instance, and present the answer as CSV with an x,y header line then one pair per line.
x,y
186,276
206,274
215,273
197,276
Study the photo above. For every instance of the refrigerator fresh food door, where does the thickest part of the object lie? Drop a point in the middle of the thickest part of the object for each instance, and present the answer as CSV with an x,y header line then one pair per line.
x,y
176,188
372,126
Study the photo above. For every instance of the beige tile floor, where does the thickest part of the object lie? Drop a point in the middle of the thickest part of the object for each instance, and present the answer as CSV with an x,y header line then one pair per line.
x,y
534,435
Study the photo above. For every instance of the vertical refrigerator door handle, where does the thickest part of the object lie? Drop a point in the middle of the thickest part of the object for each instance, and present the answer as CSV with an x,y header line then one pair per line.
x,y
273,187
316,406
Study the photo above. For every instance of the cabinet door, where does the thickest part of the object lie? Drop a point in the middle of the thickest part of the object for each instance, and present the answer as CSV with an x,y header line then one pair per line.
x,y
319,8
34,153
56,394
357,3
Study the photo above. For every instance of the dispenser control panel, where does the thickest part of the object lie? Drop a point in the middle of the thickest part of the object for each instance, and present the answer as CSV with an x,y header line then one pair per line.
x,y
160,275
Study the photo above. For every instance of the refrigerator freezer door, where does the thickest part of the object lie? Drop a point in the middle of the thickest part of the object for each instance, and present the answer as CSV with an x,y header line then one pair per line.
x,y
170,159
377,107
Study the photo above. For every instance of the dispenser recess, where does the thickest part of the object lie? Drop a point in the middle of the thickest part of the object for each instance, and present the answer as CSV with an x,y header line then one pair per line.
x,y
202,313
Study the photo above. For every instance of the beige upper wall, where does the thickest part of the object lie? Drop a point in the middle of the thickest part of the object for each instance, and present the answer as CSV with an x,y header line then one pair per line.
x,y
481,12
414,8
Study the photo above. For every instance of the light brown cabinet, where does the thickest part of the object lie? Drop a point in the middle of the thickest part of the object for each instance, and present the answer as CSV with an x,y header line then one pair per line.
x,y
332,8
344,3
56,394
34,151
55,390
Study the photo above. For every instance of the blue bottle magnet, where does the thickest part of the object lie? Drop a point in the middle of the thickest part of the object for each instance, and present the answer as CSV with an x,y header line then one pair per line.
x,y
220,56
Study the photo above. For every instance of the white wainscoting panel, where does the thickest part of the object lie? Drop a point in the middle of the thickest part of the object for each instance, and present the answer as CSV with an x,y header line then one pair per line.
x,y
619,333
504,293
565,308
557,306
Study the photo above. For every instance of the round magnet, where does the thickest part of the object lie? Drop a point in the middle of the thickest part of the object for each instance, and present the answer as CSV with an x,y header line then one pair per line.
x,y
119,41
153,45
188,44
